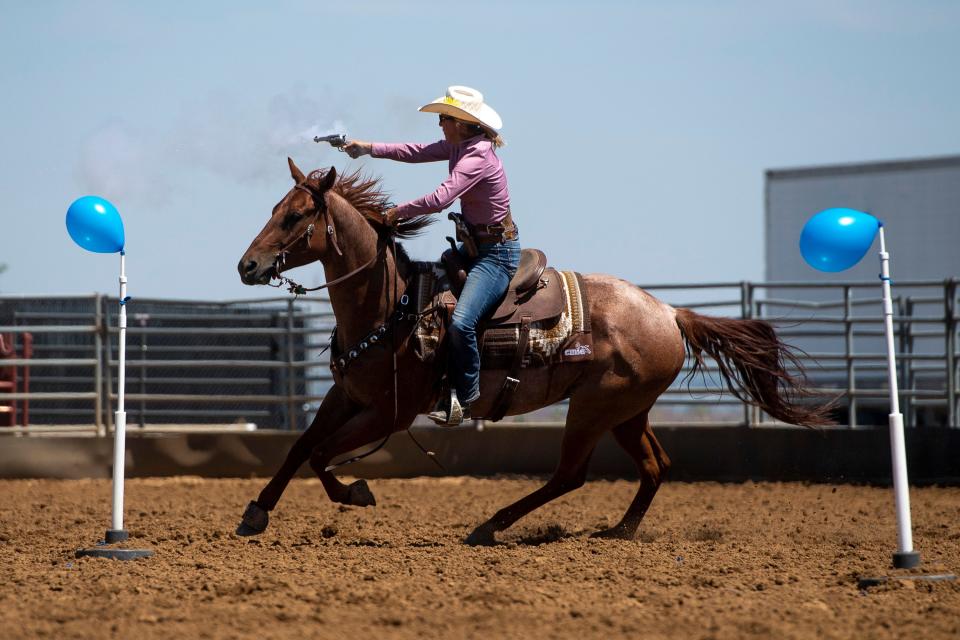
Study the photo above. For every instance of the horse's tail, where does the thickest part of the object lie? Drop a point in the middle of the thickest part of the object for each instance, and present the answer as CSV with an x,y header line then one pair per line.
x,y
753,362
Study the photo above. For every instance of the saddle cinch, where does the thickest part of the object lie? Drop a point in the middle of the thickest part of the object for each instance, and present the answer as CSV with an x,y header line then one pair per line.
x,y
541,320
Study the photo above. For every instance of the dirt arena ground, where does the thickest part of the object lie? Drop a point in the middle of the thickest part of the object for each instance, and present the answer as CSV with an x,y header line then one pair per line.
x,y
713,561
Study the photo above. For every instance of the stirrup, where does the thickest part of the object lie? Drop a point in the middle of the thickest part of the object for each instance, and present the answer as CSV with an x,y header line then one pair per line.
x,y
449,412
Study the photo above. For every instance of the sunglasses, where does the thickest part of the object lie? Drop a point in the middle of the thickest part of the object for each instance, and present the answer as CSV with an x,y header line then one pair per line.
x,y
444,118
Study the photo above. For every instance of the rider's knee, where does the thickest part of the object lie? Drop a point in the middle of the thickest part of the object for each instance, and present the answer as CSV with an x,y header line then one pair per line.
x,y
461,327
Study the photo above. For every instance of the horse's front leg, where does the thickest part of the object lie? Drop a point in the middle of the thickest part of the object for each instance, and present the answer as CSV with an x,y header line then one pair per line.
x,y
366,427
335,410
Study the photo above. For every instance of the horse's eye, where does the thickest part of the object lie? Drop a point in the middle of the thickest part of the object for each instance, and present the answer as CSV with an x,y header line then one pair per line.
x,y
291,219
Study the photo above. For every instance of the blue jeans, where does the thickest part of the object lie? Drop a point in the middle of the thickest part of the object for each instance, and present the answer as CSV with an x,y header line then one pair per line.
x,y
487,281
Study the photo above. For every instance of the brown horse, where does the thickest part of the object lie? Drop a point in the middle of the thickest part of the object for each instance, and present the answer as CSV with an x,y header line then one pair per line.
x,y
639,345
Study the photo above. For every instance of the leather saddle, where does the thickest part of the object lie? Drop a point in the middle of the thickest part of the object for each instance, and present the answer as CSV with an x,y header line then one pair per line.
x,y
534,291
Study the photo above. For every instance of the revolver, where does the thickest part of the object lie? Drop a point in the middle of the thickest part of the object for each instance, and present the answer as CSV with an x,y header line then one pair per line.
x,y
336,140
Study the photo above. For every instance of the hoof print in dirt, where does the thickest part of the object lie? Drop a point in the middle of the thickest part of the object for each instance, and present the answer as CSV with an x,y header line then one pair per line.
x,y
481,537
254,521
615,533
360,495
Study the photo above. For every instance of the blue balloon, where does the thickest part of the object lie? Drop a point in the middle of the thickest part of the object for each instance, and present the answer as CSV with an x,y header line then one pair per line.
x,y
95,225
836,239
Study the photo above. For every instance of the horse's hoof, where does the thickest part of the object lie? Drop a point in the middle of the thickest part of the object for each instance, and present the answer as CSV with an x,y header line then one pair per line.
x,y
360,495
614,533
482,536
255,520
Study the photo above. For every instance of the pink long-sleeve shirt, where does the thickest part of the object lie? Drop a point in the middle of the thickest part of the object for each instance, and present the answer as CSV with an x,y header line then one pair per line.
x,y
476,177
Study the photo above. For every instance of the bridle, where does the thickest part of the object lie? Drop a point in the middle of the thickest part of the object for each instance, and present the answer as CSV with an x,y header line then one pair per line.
x,y
295,287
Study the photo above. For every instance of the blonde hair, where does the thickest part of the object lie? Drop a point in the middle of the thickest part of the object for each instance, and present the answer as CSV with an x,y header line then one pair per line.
x,y
490,134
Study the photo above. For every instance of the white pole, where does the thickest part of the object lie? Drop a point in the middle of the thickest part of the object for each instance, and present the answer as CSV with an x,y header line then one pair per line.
x,y
905,557
116,533
120,433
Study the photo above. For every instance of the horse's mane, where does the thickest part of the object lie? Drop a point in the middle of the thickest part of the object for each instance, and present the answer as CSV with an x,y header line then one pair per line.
x,y
365,195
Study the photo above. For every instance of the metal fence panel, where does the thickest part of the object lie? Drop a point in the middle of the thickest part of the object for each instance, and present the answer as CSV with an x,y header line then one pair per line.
x,y
261,362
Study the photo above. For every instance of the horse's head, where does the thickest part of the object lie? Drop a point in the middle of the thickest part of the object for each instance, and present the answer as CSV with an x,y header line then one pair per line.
x,y
297,232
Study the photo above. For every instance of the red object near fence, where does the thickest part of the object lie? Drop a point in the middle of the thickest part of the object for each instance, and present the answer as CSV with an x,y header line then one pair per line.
x,y
11,382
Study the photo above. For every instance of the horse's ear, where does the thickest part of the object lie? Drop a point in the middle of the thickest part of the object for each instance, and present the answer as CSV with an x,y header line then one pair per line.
x,y
295,172
327,181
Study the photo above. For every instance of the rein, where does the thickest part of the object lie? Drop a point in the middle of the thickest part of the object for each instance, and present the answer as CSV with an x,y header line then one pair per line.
x,y
298,289
340,364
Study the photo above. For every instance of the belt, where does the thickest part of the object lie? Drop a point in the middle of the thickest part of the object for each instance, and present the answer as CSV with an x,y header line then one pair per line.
x,y
495,233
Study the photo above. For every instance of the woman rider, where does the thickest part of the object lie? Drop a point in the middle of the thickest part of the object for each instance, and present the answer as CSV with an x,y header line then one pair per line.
x,y
476,177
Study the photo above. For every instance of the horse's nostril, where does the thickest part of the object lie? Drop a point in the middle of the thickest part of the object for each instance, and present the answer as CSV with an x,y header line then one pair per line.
x,y
247,267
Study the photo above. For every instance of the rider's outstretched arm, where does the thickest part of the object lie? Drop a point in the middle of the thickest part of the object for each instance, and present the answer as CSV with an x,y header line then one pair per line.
x,y
403,152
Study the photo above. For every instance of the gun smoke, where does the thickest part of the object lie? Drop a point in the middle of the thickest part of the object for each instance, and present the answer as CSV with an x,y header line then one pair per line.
x,y
220,135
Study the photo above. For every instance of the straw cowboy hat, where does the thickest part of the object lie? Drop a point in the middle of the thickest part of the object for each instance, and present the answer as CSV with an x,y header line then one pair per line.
x,y
464,103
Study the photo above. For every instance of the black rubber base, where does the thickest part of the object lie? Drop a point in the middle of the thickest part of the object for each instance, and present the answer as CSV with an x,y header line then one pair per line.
x,y
114,554
864,583
906,559
103,550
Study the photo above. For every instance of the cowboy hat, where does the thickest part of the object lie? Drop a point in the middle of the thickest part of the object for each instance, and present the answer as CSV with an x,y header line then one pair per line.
x,y
464,103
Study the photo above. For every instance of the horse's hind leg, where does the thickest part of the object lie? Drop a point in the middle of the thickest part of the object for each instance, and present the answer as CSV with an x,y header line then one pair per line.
x,y
580,438
335,409
636,437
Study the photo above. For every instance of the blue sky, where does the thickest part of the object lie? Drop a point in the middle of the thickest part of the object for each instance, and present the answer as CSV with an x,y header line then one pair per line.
x,y
638,132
